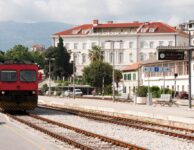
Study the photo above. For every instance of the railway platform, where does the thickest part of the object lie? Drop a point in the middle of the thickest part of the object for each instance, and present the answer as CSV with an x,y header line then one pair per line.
x,y
180,116
13,136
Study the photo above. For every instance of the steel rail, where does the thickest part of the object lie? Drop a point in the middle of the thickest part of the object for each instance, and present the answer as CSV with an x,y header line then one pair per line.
x,y
127,122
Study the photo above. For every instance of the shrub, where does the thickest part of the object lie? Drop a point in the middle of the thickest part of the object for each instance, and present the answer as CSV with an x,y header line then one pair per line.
x,y
45,87
141,91
155,91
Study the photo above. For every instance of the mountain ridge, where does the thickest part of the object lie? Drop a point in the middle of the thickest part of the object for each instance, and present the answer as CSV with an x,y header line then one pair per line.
x,y
28,34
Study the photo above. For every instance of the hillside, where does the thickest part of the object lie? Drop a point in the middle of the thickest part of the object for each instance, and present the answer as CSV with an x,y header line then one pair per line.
x,y
12,33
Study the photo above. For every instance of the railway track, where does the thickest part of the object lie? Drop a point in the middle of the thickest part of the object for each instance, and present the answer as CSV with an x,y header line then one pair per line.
x,y
74,136
177,132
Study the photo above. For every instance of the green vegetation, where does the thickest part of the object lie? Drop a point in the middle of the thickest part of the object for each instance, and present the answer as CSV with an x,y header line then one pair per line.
x,y
95,72
155,90
61,67
20,52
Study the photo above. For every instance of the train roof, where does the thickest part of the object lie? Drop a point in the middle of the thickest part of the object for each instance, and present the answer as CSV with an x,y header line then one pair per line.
x,y
15,61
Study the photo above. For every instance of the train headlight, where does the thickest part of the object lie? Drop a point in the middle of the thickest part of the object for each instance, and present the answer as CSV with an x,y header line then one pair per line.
x,y
3,92
33,92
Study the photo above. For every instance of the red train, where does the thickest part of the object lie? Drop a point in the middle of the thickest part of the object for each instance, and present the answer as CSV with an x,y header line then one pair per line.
x,y
18,85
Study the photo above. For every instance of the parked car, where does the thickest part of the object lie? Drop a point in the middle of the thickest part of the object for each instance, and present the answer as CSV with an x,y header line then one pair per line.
x,y
67,93
183,95
78,92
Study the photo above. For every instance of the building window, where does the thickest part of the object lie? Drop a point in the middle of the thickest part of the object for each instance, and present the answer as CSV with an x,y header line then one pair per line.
x,y
183,88
142,44
125,76
129,76
75,45
83,58
170,43
121,45
84,46
151,44
142,56
120,57
179,68
76,58
130,44
103,45
124,89
111,57
161,43
130,57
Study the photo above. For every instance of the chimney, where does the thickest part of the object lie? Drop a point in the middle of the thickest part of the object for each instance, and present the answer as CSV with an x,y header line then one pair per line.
x,y
110,22
95,22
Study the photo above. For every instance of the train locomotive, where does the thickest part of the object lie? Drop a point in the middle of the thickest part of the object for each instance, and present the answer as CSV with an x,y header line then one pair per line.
x,y
18,85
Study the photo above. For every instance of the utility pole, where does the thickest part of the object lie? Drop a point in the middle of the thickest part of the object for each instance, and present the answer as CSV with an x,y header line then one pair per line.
x,y
50,59
113,64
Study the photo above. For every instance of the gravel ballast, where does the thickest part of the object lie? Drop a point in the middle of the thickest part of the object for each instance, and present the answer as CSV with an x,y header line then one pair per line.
x,y
141,138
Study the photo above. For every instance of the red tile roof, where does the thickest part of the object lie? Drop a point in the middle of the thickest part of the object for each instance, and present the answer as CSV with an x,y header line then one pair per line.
x,y
143,27
78,28
119,25
134,66
158,26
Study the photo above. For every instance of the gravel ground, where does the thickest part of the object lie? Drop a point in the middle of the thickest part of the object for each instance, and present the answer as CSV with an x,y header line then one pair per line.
x,y
60,145
142,138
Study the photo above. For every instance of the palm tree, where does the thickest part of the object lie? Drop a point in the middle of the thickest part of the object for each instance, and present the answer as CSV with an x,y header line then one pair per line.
x,y
95,54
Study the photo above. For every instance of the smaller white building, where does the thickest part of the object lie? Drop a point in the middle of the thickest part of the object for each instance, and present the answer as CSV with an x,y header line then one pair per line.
x,y
131,78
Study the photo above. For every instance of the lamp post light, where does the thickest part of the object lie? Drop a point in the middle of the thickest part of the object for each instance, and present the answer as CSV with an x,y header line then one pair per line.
x,y
175,76
113,64
189,28
74,53
50,59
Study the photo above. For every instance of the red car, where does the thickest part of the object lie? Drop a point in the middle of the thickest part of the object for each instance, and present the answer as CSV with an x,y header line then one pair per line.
x,y
183,95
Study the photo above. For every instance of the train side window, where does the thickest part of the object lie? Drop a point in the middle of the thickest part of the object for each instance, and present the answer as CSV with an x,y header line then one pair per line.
x,y
8,76
28,76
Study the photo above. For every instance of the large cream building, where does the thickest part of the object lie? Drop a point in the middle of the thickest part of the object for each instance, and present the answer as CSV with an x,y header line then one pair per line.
x,y
133,41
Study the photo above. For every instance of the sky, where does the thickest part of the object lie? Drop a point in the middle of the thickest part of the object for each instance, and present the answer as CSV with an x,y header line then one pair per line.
x,y
84,11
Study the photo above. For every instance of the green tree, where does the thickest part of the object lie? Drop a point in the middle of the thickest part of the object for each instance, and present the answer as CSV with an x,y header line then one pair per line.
x,y
95,72
95,54
2,55
61,67
19,52
49,53
38,58
118,77
62,64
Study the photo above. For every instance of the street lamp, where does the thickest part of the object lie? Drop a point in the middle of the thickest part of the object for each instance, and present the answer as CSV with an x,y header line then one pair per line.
x,y
190,25
175,76
113,64
50,59
74,71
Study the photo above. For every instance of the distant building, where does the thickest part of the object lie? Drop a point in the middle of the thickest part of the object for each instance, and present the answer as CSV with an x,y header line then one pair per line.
x,y
188,26
38,47
138,41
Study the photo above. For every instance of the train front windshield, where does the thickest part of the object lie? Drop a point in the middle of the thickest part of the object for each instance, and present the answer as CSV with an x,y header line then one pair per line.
x,y
28,76
8,76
